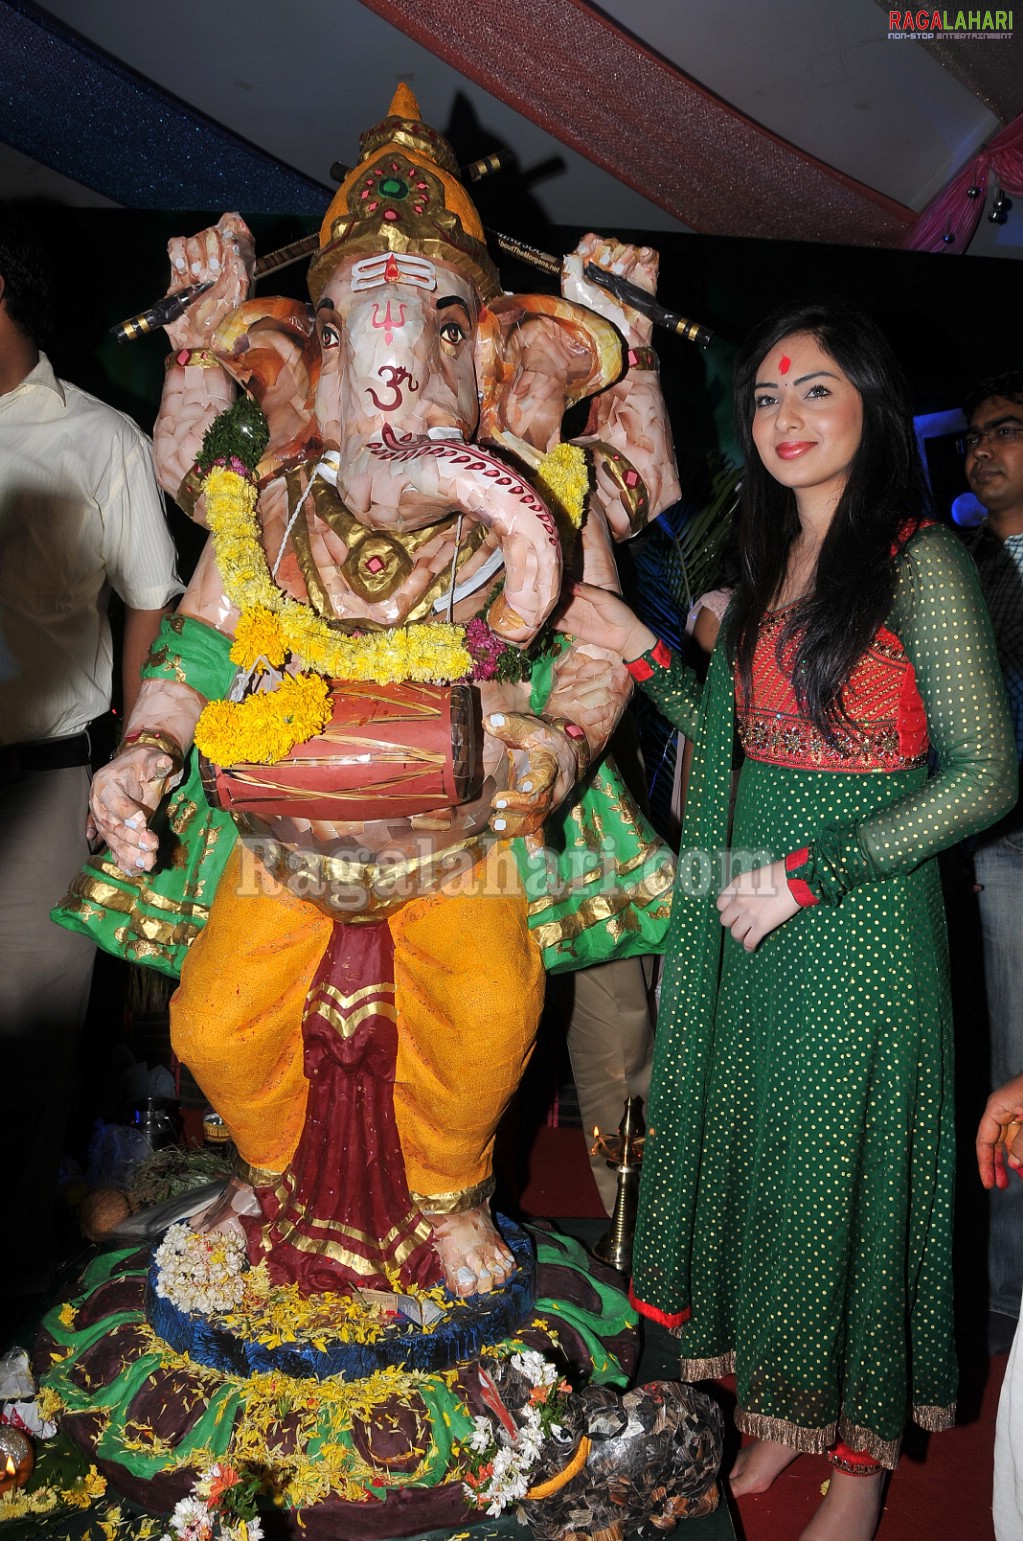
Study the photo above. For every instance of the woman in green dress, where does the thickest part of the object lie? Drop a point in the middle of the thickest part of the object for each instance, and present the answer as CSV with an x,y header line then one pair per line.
x,y
795,1208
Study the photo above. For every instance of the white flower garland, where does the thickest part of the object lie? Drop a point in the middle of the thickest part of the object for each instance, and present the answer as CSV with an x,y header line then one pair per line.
x,y
508,1461
201,1271
197,1518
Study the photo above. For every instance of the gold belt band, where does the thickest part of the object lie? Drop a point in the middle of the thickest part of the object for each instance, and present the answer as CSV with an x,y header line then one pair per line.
x,y
455,1203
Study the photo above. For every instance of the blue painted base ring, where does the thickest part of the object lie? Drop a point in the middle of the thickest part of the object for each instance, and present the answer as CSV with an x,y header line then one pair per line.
x,y
469,1326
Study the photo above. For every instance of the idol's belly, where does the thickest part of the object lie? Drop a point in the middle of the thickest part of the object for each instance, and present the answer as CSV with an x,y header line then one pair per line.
x,y
391,801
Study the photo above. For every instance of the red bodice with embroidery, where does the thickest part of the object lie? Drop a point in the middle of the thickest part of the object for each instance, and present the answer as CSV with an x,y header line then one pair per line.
x,y
888,727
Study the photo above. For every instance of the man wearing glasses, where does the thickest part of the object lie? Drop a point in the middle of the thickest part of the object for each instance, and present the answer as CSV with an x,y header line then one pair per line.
x,y
993,449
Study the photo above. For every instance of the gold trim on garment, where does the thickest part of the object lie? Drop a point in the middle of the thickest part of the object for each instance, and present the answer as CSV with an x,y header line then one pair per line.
x,y
934,1419
168,933
136,951
145,894
373,1263
376,881
378,1250
456,1202
782,1432
346,1025
161,657
706,1369
819,1441
255,1176
346,1002
604,908
292,1212
648,853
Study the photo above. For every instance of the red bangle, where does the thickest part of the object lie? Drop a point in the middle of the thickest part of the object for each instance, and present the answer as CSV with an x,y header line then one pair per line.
x,y
798,887
154,738
641,670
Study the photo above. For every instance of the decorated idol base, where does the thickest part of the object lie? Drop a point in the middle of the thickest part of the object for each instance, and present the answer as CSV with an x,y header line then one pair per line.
x,y
358,1420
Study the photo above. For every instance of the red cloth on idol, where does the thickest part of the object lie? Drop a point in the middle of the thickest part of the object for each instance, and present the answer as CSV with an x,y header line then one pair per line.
x,y
342,1213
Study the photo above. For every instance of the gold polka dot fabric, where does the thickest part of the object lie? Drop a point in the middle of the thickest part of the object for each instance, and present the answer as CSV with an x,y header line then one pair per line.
x,y
797,1177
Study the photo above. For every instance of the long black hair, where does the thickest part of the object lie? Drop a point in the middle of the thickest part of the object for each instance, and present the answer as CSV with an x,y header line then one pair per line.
x,y
884,499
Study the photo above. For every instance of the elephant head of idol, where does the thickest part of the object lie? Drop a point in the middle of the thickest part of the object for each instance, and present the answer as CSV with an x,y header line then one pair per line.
x,y
410,364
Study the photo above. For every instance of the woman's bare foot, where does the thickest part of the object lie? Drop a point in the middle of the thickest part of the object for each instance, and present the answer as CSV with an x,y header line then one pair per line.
x,y
474,1258
223,1214
757,1465
850,1511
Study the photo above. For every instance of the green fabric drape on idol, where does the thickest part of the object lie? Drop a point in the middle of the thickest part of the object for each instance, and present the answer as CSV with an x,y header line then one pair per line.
x,y
153,918
598,879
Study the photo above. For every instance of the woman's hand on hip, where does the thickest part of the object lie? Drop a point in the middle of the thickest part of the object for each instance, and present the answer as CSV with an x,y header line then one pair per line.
x,y
756,903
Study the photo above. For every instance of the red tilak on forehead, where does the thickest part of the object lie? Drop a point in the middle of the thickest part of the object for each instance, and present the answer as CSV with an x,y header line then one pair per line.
x,y
784,363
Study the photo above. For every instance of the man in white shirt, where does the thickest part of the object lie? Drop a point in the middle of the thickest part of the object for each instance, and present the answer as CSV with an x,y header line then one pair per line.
x,y
80,515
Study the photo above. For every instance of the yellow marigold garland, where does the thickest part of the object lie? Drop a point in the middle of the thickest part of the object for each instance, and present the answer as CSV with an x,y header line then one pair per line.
x,y
257,637
425,653
563,476
262,728
265,726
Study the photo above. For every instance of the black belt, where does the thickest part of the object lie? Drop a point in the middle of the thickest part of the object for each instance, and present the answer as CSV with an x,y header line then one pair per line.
x,y
20,760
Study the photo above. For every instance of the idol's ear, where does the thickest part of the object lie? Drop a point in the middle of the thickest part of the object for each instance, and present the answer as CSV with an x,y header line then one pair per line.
x,y
536,356
270,347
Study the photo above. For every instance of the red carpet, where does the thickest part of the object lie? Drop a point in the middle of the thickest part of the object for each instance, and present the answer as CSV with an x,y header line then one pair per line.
x,y
942,1489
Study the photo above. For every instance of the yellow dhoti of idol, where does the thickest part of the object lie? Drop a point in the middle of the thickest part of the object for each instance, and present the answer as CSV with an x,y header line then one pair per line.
x,y
468,990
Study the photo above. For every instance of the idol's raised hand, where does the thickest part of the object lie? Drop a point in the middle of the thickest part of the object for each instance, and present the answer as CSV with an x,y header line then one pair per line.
x,y
636,264
221,256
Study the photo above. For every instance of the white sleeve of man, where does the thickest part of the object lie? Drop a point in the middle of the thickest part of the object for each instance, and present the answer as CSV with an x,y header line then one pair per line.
x,y
137,548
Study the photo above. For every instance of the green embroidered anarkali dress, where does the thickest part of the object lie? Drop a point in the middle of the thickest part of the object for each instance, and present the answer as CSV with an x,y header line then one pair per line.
x,y
795,1207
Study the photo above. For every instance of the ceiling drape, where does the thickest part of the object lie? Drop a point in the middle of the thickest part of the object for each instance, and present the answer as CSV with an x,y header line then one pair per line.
x,y
954,212
584,80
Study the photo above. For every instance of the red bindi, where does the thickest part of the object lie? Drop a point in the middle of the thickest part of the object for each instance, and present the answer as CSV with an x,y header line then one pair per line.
x,y
784,363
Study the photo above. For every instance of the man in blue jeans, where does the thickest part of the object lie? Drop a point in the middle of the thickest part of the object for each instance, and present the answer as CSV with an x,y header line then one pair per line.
x,y
993,444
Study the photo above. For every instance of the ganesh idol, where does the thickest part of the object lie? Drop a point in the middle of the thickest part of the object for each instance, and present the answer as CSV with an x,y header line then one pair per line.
x,y
365,663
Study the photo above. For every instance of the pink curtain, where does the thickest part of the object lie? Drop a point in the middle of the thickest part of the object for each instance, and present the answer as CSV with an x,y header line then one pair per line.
x,y
594,87
954,211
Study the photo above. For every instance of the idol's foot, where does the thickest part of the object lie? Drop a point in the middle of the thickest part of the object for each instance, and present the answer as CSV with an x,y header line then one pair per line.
x,y
474,1258
237,1199
851,1509
757,1465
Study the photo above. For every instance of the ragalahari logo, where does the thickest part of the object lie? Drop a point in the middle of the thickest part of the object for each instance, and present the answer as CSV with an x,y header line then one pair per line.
x,y
926,25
